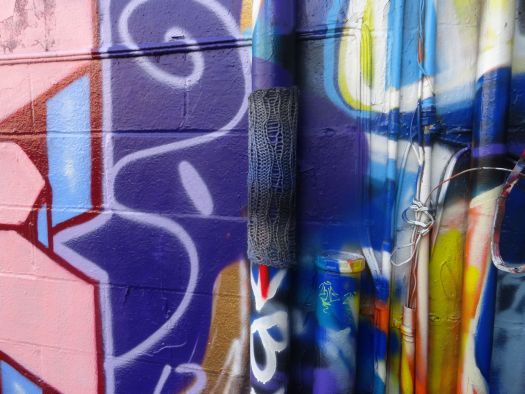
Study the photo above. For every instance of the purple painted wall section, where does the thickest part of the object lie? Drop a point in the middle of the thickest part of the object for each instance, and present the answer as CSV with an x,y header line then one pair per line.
x,y
175,165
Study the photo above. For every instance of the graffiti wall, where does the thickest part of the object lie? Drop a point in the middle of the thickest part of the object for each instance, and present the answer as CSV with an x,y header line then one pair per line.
x,y
123,197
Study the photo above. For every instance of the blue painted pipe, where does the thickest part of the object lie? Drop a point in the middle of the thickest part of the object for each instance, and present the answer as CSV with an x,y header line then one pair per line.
x,y
272,67
337,312
273,56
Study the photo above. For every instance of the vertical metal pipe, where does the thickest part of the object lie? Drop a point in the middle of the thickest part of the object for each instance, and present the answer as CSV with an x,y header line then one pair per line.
x,y
271,232
408,350
446,278
271,216
428,64
395,49
488,143
337,312
273,45
269,329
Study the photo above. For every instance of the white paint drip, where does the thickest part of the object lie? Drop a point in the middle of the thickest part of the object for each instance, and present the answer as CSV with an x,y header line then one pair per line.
x,y
196,188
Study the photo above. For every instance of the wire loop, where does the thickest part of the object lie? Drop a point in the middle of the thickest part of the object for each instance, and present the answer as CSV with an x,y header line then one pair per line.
x,y
511,181
422,219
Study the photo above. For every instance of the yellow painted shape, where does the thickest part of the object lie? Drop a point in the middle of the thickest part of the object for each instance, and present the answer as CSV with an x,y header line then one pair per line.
x,y
465,8
344,52
407,377
394,355
367,41
246,15
445,281
347,55
471,291
496,13
394,365
227,348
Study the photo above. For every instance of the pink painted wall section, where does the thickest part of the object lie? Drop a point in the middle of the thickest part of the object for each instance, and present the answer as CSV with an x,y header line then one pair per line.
x,y
48,317
48,310
21,184
50,323
30,29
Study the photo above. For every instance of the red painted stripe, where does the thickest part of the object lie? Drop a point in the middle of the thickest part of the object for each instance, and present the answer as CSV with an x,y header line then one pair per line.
x,y
264,280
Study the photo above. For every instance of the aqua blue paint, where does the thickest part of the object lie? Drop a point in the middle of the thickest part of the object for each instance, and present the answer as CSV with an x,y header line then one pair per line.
x,y
395,43
69,150
273,58
13,382
430,31
42,226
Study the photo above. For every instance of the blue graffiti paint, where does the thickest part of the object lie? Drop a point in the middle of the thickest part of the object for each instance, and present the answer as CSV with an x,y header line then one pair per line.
x,y
430,31
69,150
13,382
395,44
42,226
273,59
337,312
269,329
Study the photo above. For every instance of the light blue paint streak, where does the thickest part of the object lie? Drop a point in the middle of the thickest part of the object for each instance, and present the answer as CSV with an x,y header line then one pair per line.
x,y
391,170
410,70
429,62
377,170
395,43
13,382
42,226
69,150
276,18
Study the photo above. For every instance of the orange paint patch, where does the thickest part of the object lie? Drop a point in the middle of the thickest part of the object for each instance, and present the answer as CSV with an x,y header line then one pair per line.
x,y
226,358
246,15
381,316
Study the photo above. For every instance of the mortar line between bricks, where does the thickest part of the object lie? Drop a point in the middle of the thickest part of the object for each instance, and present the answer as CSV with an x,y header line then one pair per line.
x,y
117,51
102,211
